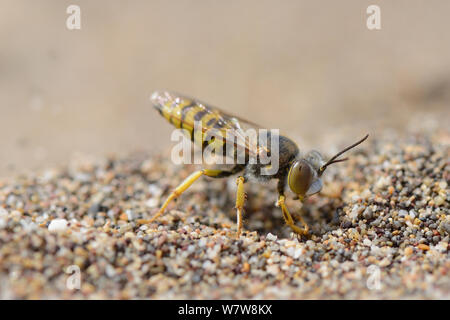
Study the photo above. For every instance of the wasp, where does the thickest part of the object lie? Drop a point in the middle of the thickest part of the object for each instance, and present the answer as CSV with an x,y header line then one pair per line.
x,y
300,172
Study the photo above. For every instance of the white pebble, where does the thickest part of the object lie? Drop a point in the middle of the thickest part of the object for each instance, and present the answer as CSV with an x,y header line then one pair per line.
x,y
58,225
155,190
3,217
382,182
271,237
209,266
441,246
214,252
3,213
273,269
202,242
356,210
298,253
402,213
130,215
152,202
294,252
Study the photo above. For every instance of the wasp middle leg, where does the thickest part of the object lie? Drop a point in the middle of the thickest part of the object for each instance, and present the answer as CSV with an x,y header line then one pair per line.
x,y
240,200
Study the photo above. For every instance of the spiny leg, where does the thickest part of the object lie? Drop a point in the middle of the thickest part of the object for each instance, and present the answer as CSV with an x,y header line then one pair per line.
x,y
177,192
289,220
186,184
240,200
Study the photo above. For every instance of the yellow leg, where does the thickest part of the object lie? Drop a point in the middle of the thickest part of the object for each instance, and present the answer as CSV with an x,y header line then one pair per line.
x,y
288,218
181,188
240,200
176,193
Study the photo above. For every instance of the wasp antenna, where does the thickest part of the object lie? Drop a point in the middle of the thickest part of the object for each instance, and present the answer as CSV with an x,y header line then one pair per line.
x,y
338,160
333,159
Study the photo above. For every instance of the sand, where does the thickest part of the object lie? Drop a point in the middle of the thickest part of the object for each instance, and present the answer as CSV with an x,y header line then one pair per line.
x,y
379,229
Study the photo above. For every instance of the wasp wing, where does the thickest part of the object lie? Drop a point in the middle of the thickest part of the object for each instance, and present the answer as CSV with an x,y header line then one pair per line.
x,y
183,112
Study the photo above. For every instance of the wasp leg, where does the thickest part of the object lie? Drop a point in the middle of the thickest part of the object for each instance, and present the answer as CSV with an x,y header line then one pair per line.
x,y
288,218
185,185
240,200
176,193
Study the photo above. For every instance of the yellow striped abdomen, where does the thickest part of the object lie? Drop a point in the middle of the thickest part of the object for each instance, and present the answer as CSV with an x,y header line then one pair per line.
x,y
194,117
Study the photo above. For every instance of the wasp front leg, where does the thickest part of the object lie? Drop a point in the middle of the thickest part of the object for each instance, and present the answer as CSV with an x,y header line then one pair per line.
x,y
289,220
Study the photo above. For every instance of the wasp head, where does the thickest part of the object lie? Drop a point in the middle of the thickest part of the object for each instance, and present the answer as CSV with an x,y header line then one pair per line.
x,y
304,177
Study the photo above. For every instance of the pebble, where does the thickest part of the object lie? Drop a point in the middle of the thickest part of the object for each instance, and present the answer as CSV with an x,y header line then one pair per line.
x,y
423,247
58,225
408,251
271,237
152,202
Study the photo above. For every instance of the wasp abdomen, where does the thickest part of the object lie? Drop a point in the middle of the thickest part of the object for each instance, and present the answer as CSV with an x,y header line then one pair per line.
x,y
188,114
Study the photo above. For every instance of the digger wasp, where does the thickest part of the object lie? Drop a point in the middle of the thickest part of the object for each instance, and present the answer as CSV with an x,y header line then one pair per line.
x,y
300,172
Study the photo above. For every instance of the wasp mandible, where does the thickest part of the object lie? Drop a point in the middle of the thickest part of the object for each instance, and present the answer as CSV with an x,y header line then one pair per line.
x,y
301,173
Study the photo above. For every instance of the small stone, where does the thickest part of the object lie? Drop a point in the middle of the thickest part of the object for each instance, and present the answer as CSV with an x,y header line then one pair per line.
x,y
58,225
423,246
271,237
356,210
3,213
202,242
382,182
442,246
152,203
439,201
368,213
443,184
273,269
155,190
403,213
294,252
408,251
130,215
446,227
123,217
129,235
246,267
384,263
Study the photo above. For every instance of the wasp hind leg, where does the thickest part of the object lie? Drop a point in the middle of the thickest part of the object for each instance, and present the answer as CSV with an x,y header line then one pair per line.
x,y
176,193
185,185
289,220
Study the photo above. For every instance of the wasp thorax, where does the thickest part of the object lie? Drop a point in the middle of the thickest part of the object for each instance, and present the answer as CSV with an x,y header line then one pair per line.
x,y
300,177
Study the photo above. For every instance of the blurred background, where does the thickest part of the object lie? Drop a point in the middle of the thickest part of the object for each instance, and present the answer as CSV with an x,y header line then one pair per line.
x,y
312,69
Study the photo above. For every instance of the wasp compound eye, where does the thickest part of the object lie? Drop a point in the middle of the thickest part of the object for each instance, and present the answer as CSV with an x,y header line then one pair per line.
x,y
300,177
